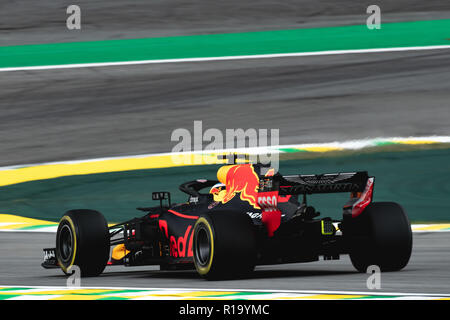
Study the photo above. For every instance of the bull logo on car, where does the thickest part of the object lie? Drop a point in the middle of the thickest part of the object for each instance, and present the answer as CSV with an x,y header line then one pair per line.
x,y
242,179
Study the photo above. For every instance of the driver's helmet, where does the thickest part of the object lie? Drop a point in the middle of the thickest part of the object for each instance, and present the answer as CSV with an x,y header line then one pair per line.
x,y
217,188
218,191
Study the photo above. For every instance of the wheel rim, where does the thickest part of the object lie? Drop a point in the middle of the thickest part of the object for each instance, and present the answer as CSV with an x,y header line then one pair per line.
x,y
203,246
66,243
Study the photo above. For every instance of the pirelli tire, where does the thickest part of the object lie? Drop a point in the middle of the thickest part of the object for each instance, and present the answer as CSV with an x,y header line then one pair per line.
x,y
224,245
82,239
381,235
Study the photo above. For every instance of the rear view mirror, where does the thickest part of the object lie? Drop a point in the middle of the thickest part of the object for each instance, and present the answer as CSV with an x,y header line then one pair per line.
x,y
161,195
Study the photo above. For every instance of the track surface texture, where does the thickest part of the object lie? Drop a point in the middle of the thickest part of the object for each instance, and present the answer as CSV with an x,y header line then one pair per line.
x,y
94,112
427,271
30,22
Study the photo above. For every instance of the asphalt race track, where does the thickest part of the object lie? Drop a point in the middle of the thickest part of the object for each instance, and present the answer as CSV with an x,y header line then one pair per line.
x,y
85,113
73,114
95,112
26,22
427,271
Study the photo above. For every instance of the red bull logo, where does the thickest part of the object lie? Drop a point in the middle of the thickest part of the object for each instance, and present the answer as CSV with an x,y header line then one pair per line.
x,y
243,179
240,178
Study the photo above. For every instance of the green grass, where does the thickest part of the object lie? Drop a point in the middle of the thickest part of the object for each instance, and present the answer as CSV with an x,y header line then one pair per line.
x,y
402,34
419,180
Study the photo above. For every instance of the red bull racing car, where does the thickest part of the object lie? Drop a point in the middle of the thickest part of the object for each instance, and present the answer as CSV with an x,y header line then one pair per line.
x,y
250,216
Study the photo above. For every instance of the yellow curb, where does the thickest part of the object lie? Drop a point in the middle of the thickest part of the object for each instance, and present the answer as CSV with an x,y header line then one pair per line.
x,y
320,149
22,220
14,222
414,142
78,297
51,171
433,227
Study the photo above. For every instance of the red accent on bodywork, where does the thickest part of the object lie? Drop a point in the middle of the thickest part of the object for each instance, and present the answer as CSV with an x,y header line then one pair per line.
x,y
190,252
183,242
182,215
284,198
163,227
173,247
178,247
154,216
271,215
365,199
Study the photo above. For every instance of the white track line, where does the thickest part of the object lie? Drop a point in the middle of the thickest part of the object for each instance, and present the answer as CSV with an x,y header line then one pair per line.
x,y
224,58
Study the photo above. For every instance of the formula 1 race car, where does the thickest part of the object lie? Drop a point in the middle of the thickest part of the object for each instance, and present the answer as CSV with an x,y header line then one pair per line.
x,y
250,216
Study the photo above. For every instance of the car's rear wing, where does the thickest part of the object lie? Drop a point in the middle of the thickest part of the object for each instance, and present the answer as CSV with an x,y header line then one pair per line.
x,y
322,183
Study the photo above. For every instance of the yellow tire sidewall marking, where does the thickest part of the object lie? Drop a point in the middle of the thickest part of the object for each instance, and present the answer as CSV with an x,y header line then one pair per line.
x,y
74,237
204,270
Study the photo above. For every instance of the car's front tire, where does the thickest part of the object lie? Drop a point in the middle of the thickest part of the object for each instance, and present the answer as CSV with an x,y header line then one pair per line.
x,y
82,239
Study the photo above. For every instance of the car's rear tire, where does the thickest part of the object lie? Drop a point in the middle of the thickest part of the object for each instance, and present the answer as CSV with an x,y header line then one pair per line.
x,y
381,235
224,245
82,239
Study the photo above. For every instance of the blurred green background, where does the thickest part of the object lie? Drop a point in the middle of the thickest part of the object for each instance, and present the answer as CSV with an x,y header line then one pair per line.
x,y
419,180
